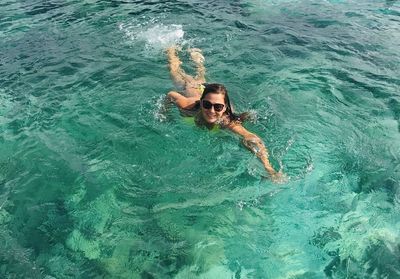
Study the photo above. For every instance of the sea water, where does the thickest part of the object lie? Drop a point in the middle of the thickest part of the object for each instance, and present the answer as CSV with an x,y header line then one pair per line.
x,y
99,180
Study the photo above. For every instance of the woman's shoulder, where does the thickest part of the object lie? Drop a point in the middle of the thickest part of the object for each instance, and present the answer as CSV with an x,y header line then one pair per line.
x,y
228,123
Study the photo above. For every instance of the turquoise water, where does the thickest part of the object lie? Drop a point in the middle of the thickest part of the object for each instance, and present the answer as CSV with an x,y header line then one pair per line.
x,y
97,181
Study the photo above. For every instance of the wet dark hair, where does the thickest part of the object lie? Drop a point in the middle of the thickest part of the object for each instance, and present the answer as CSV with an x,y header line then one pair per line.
x,y
216,88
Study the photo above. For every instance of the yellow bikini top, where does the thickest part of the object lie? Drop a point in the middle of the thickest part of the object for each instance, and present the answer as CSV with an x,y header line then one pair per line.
x,y
191,121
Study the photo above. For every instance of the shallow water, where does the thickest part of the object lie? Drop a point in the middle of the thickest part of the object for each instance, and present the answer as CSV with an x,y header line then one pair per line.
x,y
96,181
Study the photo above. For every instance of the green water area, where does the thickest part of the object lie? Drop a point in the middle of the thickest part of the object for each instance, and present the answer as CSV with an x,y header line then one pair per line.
x,y
99,179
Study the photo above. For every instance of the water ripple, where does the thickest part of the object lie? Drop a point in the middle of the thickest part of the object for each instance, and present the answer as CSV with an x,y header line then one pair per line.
x,y
89,173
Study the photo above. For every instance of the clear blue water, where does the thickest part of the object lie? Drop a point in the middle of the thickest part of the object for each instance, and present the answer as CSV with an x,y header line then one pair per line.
x,y
97,182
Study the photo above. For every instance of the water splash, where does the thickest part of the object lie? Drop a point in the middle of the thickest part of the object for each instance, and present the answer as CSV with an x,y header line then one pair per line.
x,y
156,36
160,111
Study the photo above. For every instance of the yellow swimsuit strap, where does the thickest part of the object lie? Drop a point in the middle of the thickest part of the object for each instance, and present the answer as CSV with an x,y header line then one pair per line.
x,y
201,88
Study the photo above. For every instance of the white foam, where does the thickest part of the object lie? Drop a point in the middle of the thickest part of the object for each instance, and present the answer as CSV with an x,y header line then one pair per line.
x,y
154,35
161,109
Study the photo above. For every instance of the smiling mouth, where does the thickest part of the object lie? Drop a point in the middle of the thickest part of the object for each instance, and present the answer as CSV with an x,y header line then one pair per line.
x,y
210,117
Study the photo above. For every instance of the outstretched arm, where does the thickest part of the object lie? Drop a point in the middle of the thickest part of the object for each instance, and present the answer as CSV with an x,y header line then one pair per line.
x,y
255,145
181,101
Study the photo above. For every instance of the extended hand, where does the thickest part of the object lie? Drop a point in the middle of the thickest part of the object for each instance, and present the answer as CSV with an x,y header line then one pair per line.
x,y
278,177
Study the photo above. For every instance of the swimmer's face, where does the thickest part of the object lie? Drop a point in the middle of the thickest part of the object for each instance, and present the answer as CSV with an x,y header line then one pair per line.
x,y
212,114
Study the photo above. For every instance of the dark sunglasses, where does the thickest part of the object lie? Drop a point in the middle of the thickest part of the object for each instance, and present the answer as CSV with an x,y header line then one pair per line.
x,y
208,105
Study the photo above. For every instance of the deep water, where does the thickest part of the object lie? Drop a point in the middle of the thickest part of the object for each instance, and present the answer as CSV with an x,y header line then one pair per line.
x,y
97,180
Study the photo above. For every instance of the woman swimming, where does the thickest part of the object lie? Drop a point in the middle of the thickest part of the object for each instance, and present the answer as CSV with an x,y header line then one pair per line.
x,y
210,106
